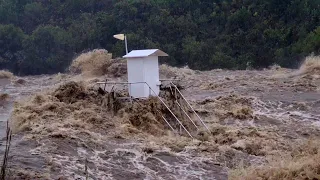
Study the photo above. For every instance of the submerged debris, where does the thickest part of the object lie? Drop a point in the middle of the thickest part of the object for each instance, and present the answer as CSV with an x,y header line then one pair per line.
x,y
4,96
3,99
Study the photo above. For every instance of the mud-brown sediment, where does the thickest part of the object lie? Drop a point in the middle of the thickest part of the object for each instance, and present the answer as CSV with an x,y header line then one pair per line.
x,y
148,115
167,71
44,112
172,141
78,114
118,68
302,163
233,105
91,63
70,92
286,158
311,66
75,102
5,74
275,67
212,86
97,63
308,76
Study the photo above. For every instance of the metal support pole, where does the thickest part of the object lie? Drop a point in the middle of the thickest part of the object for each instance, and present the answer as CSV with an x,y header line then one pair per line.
x,y
191,107
168,123
171,112
187,115
156,96
126,43
104,88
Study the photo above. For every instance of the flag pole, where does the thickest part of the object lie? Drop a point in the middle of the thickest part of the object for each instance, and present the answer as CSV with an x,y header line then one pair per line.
x,y
122,37
126,43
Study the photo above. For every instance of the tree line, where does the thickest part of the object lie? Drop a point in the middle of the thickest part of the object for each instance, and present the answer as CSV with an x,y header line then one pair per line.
x,y
42,37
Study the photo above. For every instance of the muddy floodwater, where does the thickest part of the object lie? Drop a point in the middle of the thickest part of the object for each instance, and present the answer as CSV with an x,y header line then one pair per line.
x,y
251,115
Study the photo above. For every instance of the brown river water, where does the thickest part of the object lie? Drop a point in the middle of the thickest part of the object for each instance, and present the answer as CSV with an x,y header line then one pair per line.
x,y
251,115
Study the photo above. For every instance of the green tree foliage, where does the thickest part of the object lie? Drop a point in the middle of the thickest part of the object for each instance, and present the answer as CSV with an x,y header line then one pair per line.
x,y
43,36
47,50
11,47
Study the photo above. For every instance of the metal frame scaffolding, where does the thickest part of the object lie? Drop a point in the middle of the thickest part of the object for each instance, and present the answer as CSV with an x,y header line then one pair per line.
x,y
176,92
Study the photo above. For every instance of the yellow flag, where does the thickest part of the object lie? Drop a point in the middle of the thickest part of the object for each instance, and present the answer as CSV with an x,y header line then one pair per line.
x,y
119,36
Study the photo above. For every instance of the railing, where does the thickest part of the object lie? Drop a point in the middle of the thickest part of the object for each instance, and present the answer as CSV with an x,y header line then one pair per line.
x,y
151,90
202,122
167,107
128,83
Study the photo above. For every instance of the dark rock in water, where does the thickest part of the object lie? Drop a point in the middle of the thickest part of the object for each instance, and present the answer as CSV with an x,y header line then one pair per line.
x,y
165,86
148,150
20,81
101,91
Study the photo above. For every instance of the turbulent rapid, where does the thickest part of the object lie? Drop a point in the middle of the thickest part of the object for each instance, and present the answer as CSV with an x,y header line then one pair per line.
x,y
261,124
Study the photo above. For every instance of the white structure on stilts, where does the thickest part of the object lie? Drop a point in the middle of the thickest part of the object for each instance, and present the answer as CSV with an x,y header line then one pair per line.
x,y
143,72
143,82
